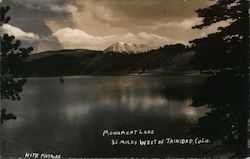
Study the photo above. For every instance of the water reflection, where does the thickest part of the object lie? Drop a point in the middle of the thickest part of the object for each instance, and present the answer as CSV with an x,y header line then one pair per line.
x,y
227,97
6,116
10,90
69,118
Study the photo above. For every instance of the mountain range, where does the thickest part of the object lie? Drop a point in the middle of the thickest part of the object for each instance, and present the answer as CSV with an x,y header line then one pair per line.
x,y
165,60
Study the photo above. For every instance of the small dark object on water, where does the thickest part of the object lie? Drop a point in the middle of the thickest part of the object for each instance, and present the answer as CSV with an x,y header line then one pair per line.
x,y
61,80
5,116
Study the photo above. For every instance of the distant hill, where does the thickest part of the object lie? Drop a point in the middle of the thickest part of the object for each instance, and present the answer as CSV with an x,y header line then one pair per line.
x,y
168,59
72,52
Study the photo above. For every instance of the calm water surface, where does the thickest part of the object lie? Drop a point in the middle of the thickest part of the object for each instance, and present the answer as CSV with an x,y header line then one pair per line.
x,y
69,118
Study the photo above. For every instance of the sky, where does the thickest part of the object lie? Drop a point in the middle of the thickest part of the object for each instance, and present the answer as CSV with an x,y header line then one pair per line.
x,y
96,24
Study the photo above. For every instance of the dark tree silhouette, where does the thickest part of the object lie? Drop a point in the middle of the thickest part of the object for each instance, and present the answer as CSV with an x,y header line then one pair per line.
x,y
226,91
227,48
11,56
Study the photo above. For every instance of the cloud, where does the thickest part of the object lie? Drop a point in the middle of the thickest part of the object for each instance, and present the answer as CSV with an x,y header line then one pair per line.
x,y
19,33
139,12
58,6
49,43
171,19
215,27
68,38
75,38
122,10
100,23
186,24
152,40
120,17
27,38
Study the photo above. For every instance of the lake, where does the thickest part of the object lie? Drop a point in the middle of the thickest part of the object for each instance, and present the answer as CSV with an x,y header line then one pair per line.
x,y
69,117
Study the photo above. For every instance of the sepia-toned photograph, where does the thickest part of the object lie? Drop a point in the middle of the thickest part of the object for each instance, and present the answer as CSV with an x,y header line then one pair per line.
x,y
124,79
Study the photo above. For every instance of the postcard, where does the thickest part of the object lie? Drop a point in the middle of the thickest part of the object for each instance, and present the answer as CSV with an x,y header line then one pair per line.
x,y
124,79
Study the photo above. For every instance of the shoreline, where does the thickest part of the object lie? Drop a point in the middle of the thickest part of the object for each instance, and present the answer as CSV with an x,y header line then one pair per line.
x,y
186,74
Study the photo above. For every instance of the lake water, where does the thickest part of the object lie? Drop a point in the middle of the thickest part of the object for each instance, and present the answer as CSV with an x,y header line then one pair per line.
x,y
69,118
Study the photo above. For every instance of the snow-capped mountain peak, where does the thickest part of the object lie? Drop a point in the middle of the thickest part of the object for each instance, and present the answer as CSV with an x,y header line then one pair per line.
x,y
129,48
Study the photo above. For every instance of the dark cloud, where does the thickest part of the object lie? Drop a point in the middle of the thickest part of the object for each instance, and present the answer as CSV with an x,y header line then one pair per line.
x,y
56,6
143,12
30,14
113,12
